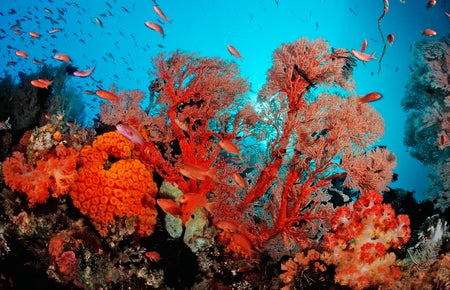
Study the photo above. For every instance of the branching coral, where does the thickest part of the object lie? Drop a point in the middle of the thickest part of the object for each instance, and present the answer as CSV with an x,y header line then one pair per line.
x,y
193,92
54,174
112,185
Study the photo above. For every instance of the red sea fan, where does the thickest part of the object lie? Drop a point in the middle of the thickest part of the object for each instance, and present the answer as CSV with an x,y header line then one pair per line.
x,y
127,109
300,65
54,174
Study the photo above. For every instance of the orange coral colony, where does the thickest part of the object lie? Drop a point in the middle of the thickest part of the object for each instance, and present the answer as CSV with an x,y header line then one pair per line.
x,y
112,185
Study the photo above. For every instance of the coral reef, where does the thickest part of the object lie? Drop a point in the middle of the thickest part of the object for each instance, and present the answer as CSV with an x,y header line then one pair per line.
x,y
427,100
206,190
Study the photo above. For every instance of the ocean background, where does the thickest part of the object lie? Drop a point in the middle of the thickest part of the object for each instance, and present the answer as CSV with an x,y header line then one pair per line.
x,y
122,47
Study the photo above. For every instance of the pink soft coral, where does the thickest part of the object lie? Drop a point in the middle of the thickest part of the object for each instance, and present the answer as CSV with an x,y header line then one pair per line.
x,y
53,174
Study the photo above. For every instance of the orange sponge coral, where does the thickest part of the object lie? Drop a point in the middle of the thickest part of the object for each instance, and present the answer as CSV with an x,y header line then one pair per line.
x,y
112,185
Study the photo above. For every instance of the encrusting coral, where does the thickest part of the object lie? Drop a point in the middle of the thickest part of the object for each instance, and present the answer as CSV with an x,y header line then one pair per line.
x,y
106,190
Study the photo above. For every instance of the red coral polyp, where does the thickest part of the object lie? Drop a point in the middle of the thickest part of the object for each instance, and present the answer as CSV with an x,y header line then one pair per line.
x,y
371,251
367,200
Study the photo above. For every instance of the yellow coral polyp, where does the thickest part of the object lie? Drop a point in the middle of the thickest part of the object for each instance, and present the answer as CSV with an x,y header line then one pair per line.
x,y
107,191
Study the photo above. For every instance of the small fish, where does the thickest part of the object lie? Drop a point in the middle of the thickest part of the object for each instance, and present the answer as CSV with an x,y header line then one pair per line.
x,y
107,95
169,206
239,180
304,75
155,27
54,30
370,97
22,53
363,56
448,14
34,34
88,92
99,22
153,256
230,147
429,32
131,134
390,38
364,45
431,3
191,201
160,13
197,172
442,141
233,51
11,63
62,57
37,62
84,73
41,83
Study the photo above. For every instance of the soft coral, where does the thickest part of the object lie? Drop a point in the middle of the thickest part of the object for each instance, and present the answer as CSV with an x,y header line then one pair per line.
x,y
53,174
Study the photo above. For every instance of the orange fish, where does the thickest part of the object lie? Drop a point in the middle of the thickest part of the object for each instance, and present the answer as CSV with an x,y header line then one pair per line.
x,y
160,13
22,53
41,83
239,180
34,34
155,27
62,57
54,30
370,97
390,38
233,51
169,206
10,63
431,3
84,73
363,56
197,172
230,147
192,201
442,140
107,95
429,32
364,45
153,256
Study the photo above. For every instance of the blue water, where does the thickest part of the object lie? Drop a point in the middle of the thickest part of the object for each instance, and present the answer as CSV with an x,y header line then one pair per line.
x,y
122,49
